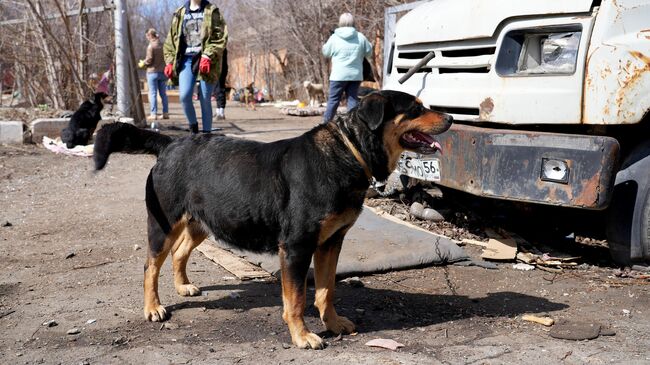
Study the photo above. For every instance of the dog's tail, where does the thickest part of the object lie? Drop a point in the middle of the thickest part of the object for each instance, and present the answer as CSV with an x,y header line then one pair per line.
x,y
123,137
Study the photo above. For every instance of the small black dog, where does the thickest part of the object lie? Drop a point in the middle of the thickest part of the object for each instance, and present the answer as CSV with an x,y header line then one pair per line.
x,y
84,121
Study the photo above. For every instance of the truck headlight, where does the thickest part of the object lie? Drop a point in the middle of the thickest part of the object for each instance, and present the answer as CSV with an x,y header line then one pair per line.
x,y
539,52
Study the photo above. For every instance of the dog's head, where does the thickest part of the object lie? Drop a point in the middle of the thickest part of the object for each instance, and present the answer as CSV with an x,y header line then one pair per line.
x,y
397,121
102,98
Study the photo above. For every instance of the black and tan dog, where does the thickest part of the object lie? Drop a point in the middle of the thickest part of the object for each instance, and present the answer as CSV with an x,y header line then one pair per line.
x,y
297,197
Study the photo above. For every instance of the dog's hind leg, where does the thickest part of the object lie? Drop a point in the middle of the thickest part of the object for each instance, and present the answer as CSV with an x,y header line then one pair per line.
x,y
325,260
294,276
191,236
159,246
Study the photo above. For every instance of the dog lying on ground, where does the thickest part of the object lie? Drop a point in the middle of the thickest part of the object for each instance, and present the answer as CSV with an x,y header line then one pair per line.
x,y
296,197
84,121
315,93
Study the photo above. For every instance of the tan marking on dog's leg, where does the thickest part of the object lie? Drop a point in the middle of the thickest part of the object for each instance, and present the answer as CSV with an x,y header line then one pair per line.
x,y
153,310
191,236
293,299
325,260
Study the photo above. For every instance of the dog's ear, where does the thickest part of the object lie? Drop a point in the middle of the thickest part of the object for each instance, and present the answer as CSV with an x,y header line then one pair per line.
x,y
373,110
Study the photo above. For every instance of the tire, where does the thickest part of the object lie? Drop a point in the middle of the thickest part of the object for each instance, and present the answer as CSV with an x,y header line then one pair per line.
x,y
621,227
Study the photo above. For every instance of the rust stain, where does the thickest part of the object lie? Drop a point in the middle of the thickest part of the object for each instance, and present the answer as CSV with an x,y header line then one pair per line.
x,y
645,33
590,190
485,108
633,74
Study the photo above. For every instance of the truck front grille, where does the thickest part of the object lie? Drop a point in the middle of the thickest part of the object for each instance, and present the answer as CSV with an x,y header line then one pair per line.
x,y
474,59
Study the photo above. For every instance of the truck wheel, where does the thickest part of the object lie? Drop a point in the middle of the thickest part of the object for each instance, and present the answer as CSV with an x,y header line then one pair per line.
x,y
619,223
628,221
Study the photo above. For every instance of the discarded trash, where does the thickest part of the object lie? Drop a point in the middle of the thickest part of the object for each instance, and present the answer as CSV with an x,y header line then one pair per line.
x,y
384,343
483,264
168,326
469,241
575,331
500,249
50,323
91,321
523,267
626,312
354,282
546,321
136,247
420,212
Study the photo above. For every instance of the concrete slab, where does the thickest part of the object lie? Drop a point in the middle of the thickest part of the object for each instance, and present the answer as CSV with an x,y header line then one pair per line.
x,y
50,127
11,132
377,243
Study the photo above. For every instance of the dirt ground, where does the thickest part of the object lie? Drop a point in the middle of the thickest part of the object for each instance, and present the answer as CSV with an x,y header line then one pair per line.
x,y
73,248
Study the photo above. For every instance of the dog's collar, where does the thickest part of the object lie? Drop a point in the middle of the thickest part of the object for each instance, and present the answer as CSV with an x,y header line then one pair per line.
x,y
355,152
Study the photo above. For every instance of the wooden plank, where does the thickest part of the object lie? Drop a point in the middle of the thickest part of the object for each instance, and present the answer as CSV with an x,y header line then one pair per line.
x,y
239,267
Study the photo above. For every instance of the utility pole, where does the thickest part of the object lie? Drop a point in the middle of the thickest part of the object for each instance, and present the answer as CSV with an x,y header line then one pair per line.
x,y
122,59
127,86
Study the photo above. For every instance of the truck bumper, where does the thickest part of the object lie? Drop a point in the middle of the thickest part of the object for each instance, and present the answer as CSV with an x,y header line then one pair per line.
x,y
509,164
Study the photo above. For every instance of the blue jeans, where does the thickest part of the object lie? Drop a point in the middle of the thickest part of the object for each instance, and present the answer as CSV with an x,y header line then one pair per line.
x,y
186,81
336,90
156,82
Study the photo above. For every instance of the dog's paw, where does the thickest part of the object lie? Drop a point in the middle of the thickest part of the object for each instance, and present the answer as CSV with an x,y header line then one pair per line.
x,y
188,290
309,340
338,325
155,313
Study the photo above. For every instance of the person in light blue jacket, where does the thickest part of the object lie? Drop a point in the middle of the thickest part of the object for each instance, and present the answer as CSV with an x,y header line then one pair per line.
x,y
347,48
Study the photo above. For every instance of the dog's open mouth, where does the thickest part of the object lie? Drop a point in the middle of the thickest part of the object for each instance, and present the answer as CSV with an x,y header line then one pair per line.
x,y
420,142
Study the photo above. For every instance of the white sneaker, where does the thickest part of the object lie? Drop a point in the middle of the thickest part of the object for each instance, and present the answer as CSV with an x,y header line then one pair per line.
x,y
221,114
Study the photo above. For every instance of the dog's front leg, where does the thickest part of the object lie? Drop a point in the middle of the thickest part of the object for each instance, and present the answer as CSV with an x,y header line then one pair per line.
x,y
325,260
294,276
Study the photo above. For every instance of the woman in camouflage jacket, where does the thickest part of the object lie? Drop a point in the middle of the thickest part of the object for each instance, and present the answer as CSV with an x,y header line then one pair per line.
x,y
193,51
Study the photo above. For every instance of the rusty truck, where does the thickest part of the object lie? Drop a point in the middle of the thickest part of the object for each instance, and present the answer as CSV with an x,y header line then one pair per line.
x,y
550,100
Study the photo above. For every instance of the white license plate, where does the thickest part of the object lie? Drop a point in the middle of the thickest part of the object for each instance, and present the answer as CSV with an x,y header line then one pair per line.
x,y
424,169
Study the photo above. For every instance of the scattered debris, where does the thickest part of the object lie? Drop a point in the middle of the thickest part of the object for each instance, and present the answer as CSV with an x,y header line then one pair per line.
x,y
303,112
354,282
56,146
239,267
575,331
607,331
120,341
546,321
74,331
419,211
384,343
469,241
626,312
50,323
523,267
168,326
483,264
136,247
70,255
91,321
503,249
4,314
